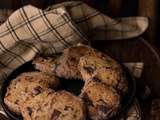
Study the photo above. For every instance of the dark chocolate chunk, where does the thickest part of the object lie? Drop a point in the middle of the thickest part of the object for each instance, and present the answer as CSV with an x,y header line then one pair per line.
x,y
55,114
37,90
96,79
73,59
16,102
29,111
87,99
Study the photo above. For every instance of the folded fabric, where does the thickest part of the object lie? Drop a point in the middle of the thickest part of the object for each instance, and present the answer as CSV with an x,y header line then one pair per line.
x,y
30,31
101,27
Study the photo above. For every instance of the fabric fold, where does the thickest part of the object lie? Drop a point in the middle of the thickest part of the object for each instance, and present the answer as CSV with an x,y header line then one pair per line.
x,y
99,26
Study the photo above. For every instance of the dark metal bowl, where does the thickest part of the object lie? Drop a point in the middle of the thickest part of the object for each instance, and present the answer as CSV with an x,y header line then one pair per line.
x,y
125,103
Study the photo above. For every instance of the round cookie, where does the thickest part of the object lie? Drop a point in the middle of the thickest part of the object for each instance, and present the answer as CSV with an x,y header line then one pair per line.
x,y
103,70
67,65
89,64
51,105
26,86
45,79
102,101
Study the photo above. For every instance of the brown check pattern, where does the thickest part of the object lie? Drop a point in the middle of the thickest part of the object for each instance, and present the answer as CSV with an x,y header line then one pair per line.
x,y
30,31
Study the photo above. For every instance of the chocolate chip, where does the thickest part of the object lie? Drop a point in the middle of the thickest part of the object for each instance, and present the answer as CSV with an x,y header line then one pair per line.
x,y
87,99
16,102
74,115
29,111
89,69
50,93
46,104
37,90
55,114
73,59
108,67
96,79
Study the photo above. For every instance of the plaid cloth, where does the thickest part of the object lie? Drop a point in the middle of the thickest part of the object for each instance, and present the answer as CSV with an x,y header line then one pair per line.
x,y
30,31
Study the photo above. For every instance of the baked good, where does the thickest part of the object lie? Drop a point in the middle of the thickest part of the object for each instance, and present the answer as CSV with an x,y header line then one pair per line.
x,y
26,86
105,84
105,70
65,66
102,101
51,105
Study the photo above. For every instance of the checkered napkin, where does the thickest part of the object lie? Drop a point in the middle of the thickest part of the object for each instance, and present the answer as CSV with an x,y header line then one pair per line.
x,y
30,31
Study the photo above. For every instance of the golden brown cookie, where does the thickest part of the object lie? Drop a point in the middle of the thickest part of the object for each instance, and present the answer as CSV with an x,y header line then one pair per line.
x,y
104,70
26,86
67,65
102,101
54,106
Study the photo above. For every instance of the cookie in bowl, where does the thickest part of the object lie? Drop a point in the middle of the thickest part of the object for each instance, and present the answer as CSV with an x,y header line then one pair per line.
x,y
50,105
102,101
66,65
26,86
105,70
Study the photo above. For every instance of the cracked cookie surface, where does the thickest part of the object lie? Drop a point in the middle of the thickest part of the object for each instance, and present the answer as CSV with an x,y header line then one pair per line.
x,y
26,86
50,105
